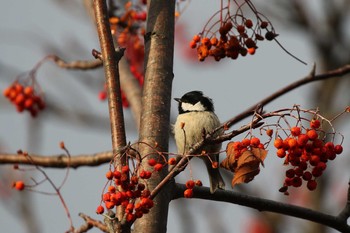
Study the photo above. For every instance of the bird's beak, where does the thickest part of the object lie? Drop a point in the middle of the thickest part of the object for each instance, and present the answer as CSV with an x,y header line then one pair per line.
x,y
177,99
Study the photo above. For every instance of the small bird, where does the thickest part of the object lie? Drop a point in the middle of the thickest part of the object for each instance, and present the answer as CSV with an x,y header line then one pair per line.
x,y
196,114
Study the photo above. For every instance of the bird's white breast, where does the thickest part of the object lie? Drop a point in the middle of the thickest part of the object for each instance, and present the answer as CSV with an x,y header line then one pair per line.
x,y
194,123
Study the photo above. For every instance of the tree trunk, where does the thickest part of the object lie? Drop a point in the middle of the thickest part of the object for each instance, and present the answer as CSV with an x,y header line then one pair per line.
x,y
156,100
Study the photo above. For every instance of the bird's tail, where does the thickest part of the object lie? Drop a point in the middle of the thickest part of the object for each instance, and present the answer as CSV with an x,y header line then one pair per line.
x,y
215,178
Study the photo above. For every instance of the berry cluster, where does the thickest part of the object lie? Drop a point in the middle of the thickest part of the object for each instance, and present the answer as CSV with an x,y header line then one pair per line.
x,y
25,97
188,193
128,27
246,144
129,193
307,154
232,35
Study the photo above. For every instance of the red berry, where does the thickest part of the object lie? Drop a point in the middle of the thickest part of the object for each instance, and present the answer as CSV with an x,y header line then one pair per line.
x,y
188,193
117,174
246,142
158,167
19,185
307,175
111,189
100,209
106,197
198,183
125,169
296,182
130,217
190,184
338,149
152,162
290,173
102,95
315,124
109,204
311,185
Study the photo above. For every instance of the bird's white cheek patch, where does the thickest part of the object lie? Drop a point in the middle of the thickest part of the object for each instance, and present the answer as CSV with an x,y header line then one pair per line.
x,y
190,107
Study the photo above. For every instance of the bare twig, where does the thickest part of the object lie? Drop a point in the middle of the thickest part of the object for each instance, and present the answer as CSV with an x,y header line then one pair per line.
x,y
90,223
262,204
308,79
59,161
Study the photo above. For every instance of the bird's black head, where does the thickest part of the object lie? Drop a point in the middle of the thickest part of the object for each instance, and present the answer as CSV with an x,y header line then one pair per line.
x,y
195,101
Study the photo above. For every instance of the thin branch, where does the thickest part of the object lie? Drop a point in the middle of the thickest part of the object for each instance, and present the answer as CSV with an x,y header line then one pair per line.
x,y
110,62
308,79
262,204
59,161
78,65
90,223
345,213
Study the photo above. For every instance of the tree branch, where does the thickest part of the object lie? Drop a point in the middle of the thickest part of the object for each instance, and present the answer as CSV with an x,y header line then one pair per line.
x,y
110,63
90,223
308,79
262,204
58,161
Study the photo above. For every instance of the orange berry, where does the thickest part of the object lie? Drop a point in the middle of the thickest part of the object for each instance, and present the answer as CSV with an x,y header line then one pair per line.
x,y
281,153
190,184
214,41
109,175
254,142
7,92
302,139
19,185
19,99
278,143
269,132
196,38
215,165
312,134
295,131
130,217
28,103
292,142
100,209
206,41
111,189
188,193
158,167
246,142
18,87
28,90
193,44
172,161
